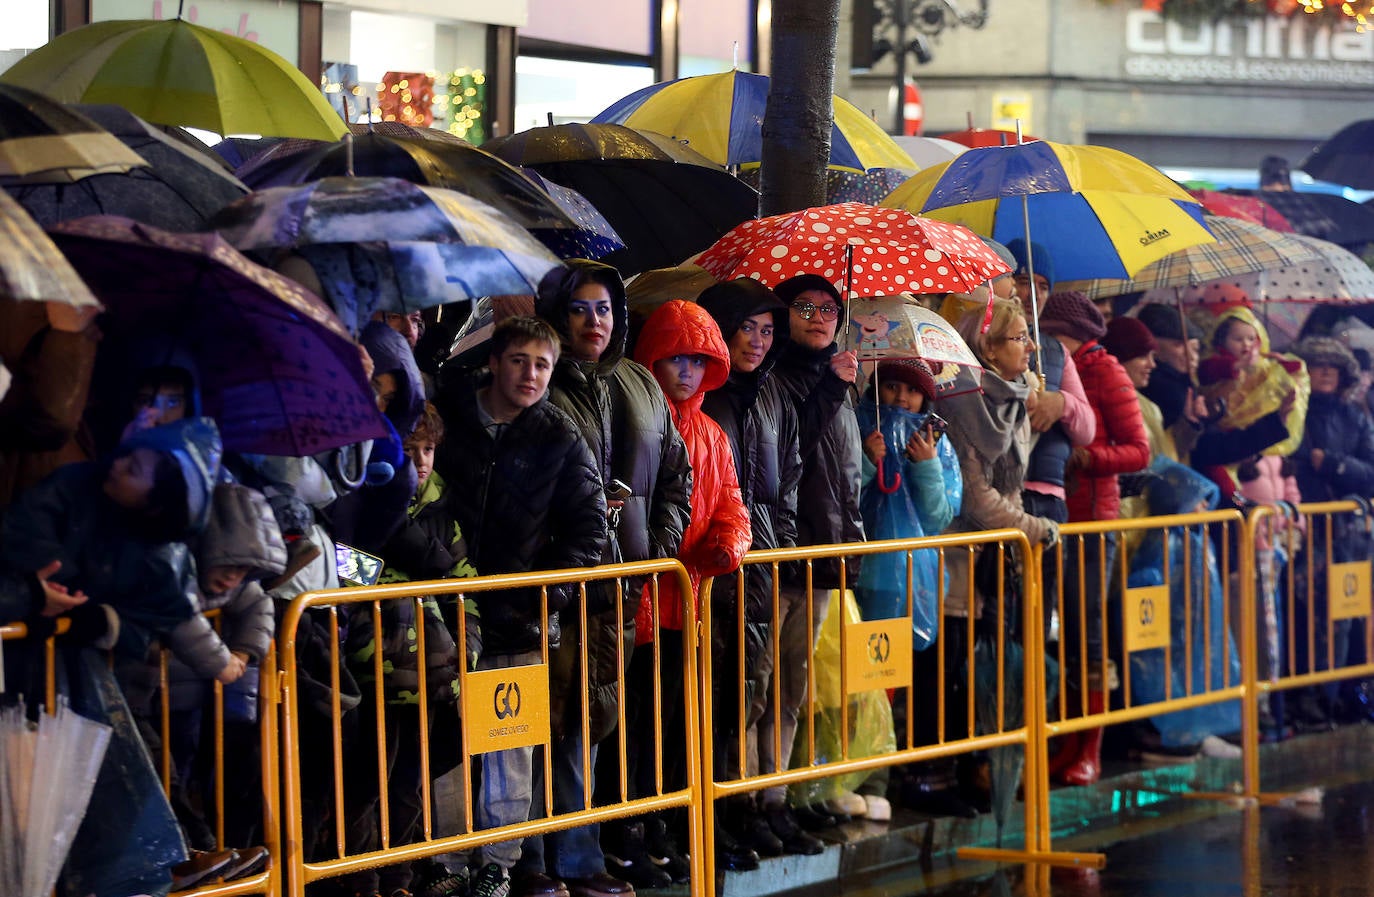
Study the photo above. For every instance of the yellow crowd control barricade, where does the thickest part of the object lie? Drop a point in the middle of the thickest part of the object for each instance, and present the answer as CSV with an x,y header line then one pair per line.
x,y
1146,619
337,781
242,802
13,632
1311,586
976,689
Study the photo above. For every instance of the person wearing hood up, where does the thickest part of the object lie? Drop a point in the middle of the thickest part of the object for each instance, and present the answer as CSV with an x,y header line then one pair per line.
x,y
116,529
239,546
1334,462
369,516
682,345
760,422
626,422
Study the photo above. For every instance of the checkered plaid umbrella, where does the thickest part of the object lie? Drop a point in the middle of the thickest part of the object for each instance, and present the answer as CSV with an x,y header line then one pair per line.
x,y
1242,247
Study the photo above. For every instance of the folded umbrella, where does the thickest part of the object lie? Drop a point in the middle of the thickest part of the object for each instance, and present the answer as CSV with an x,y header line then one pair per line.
x,y
276,369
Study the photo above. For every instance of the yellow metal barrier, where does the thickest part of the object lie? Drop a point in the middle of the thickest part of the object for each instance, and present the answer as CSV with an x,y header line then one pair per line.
x,y
266,881
302,869
1173,627
995,725
1323,594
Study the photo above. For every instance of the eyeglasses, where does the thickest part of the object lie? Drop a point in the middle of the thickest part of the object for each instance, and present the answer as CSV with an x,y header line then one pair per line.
x,y
807,311
1024,339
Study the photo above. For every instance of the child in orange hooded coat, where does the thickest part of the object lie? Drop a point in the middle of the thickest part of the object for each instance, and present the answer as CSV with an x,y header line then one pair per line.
x,y
683,346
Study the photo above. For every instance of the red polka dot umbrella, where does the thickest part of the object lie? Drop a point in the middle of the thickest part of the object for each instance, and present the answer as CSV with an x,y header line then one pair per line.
x,y
893,251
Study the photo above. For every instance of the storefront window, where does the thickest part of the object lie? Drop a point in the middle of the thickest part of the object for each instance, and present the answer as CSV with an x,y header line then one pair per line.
x,y
714,36
620,25
570,91
274,24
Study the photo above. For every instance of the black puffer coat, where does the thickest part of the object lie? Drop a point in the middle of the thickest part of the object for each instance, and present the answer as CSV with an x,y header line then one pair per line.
x,y
624,417
530,500
1343,431
759,420
831,454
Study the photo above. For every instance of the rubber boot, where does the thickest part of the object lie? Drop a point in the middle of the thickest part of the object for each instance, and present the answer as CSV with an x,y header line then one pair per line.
x,y
1086,768
1065,748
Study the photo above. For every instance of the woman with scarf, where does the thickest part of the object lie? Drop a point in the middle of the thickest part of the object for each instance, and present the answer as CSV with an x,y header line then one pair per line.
x,y
990,432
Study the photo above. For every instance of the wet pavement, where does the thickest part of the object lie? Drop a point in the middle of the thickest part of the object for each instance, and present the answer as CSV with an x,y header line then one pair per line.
x,y
1193,849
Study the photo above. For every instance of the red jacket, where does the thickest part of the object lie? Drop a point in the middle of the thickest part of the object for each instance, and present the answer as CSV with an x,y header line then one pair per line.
x,y
1121,444
719,527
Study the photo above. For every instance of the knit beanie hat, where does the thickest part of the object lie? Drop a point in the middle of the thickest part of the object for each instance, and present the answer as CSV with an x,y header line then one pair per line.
x,y
1040,259
1165,322
793,287
1071,313
1328,352
1127,338
914,372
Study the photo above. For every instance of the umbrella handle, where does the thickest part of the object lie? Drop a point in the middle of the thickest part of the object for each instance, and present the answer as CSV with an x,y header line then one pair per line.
x,y
883,487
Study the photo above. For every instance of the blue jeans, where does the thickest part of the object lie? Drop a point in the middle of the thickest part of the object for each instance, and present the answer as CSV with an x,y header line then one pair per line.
x,y
574,852
507,779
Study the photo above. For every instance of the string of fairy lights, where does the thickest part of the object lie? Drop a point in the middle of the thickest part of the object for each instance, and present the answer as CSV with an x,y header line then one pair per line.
x,y
455,101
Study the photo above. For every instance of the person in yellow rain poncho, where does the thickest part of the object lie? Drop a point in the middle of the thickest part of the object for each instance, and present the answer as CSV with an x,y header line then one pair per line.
x,y
1246,381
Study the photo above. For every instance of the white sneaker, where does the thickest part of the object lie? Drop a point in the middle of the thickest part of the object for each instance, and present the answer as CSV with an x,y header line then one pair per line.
x,y
1212,746
849,804
879,810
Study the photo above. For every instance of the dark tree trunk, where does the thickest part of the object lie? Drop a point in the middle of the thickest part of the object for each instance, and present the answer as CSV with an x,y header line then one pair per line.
x,y
796,127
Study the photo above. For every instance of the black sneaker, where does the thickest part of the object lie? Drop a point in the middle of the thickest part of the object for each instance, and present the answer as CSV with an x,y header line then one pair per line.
x,y
663,850
790,834
491,881
754,832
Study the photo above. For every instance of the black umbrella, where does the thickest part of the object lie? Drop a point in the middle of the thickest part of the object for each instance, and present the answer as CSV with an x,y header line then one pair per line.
x,y
1345,157
179,190
1323,215
43,141
666,201
423,156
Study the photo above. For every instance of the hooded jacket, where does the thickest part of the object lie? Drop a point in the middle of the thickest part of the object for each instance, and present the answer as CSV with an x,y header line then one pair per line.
x,y
240,532
1345,434
531,499
760,422
719,526
370,516
621,412
1121,444
67,517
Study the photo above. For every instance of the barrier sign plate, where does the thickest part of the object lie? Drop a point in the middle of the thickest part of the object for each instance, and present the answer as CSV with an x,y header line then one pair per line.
x,y
877,655
1347,590
1146,612
506,708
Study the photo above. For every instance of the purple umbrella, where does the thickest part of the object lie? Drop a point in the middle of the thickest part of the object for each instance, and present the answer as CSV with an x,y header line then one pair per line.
x,y
275,368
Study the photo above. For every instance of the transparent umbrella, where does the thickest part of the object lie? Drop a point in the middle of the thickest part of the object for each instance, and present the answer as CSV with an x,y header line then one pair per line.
x,y
45,787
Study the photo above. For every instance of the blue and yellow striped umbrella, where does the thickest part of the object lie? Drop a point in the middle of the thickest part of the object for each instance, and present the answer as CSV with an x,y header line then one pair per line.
x,y
721,117
1098,212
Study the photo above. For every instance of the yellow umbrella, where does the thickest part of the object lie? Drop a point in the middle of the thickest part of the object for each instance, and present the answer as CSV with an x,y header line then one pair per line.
x,y
175,73
1096,211
721,117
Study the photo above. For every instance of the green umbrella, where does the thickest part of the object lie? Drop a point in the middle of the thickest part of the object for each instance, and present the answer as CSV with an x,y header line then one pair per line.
x,y
176,73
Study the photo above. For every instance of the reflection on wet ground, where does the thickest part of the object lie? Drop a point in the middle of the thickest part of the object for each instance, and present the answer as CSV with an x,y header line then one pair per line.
x,y
1203,850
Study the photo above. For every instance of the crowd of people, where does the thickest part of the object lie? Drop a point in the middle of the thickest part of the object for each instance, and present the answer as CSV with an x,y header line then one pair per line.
x,y
733,420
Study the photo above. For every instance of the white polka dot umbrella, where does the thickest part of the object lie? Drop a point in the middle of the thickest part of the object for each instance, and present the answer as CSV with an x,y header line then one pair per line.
x,y
893,251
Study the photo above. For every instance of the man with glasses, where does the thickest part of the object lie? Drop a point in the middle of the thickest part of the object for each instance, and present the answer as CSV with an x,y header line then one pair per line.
x,y
819,379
